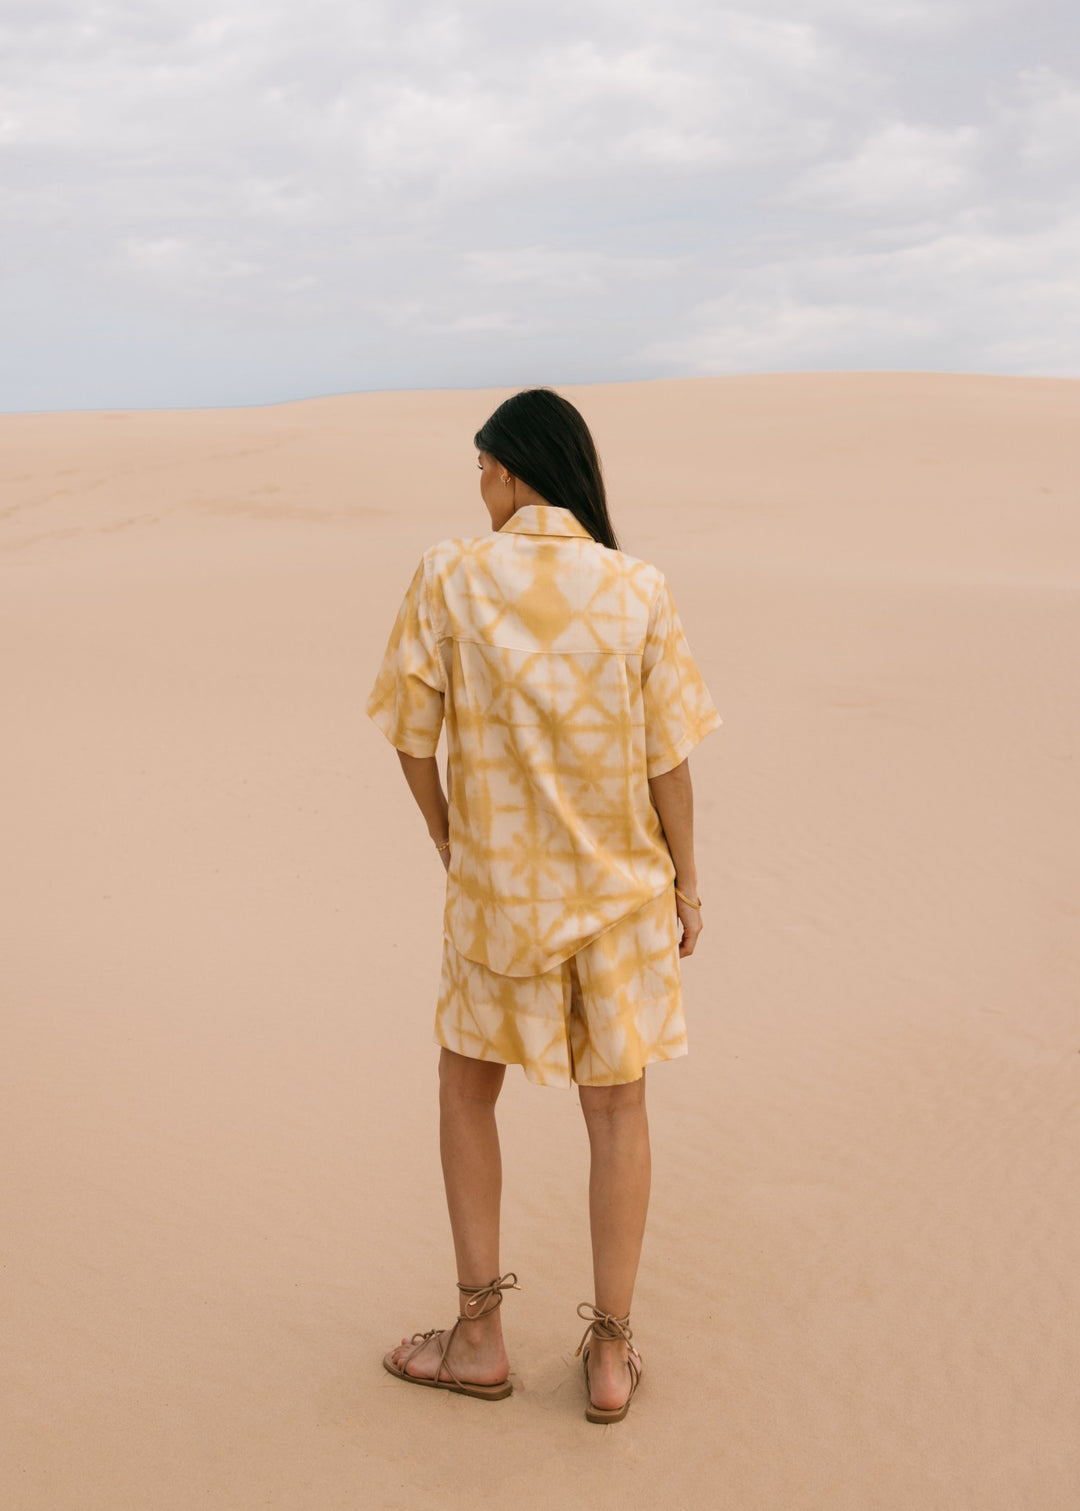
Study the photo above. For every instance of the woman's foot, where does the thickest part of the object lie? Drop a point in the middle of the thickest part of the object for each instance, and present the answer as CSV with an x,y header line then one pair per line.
x,y
612,1364
610,1380
476,1355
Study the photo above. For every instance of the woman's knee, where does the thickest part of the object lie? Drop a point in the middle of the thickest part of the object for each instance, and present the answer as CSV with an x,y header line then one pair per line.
x,y
464,1080
606,1104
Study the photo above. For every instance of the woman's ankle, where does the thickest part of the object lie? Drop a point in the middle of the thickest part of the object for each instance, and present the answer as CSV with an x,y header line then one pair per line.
x,y
485,1325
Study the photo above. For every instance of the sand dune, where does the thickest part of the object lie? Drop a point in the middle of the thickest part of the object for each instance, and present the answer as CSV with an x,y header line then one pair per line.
x,y
221,942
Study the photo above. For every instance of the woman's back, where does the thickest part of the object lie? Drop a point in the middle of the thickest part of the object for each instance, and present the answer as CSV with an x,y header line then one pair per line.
x,y
565,681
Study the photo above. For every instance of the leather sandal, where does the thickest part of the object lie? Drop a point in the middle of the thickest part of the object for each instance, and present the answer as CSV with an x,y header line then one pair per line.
x,y
606,1328
475,1308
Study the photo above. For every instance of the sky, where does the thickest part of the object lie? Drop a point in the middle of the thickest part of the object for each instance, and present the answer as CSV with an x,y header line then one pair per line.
x,y
248,201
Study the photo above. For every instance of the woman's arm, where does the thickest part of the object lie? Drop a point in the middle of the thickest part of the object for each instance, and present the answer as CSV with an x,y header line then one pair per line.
x,y
422,775
673,799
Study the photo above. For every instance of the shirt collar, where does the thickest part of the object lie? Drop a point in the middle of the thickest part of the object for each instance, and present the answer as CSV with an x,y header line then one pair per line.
x,y
544,519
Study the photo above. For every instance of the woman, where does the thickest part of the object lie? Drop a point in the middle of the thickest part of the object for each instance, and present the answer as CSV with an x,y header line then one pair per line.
x,y
571,703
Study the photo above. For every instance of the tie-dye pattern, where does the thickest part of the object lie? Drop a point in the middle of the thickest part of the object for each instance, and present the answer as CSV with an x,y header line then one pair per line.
x,y
565,681
598,1018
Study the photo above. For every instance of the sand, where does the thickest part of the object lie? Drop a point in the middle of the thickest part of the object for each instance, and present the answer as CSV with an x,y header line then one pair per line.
x,y
221,942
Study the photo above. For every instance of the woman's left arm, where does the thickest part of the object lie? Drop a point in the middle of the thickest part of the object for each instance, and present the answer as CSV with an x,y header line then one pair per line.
x,y
422,775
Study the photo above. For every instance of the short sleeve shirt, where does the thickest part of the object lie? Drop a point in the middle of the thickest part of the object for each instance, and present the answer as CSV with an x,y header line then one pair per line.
x,y
565,681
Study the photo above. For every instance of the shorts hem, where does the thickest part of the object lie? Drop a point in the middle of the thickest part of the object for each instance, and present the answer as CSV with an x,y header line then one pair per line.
x,y
537,1078
658,1058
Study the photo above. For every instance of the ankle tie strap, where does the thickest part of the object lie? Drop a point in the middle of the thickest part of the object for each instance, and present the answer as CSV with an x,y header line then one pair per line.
x,y
603,1326
480,1294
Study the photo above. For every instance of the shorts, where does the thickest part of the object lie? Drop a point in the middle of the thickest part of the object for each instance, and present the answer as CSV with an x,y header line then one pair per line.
x,y
598,1018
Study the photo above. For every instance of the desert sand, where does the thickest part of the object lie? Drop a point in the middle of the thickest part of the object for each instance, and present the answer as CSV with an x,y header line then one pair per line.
x,y
221,921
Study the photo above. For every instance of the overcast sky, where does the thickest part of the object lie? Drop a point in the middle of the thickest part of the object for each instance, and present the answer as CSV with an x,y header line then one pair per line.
x,y
247,201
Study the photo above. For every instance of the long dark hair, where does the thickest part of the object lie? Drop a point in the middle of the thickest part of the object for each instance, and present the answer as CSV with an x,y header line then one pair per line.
x,y
541,438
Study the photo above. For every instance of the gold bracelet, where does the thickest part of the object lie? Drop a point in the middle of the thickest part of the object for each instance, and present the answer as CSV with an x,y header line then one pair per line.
x,y
687,900
443,847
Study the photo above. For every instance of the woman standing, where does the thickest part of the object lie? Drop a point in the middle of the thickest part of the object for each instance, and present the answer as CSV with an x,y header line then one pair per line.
x,y
571,703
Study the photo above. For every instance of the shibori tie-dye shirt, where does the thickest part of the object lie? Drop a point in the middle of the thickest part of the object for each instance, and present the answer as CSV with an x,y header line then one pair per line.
x,y
565,681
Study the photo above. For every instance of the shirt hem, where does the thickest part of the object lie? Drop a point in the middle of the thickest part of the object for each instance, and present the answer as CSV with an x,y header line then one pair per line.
x,y
678,754
554,964
403,742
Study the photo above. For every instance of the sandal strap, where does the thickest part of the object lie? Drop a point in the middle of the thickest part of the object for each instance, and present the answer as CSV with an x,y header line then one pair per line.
x,y
447,1337
603,1326
479,1295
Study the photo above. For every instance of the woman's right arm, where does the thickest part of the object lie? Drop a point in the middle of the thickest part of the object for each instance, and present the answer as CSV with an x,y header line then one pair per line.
x,y
422,775
673,799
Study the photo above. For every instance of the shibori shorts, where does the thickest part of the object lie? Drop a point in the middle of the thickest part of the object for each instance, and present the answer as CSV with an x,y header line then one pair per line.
x,y
598,1018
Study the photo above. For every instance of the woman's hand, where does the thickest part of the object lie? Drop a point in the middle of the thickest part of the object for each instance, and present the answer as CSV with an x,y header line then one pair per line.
x,y
690,918
444,856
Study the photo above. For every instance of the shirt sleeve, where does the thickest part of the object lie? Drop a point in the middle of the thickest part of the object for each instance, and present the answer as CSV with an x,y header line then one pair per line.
x,y
678,709
408,697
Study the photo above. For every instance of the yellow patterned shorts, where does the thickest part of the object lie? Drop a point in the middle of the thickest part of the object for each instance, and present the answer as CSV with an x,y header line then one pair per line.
x,y
598,1018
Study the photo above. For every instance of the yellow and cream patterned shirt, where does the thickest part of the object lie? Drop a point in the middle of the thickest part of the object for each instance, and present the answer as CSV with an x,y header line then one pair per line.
x,y
565,681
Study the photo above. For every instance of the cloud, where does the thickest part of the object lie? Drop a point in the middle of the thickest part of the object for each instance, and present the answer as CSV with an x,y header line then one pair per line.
x,y
772,330
899,169
1044,118
561,270
261,200
175,261
929,296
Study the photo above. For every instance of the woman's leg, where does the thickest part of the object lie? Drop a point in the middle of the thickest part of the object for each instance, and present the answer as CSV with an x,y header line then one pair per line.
x,y
472,1175
471,1161
619,1182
